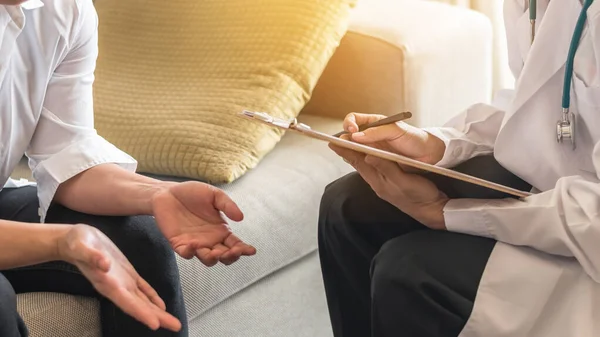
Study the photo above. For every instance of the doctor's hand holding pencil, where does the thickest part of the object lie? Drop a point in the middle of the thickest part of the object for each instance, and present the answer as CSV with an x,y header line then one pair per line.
x,y
411,193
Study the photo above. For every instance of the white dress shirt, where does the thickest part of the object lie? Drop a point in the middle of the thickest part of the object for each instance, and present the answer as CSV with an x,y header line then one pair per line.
x,y
48,54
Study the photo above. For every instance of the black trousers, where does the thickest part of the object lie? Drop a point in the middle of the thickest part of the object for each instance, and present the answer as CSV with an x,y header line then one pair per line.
x,y
138,238
385,274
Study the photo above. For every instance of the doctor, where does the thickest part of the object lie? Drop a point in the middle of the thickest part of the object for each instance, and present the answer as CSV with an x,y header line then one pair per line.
x,y
405,254
108,232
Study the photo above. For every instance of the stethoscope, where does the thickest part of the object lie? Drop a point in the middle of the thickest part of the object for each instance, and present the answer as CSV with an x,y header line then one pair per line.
x,y
565,127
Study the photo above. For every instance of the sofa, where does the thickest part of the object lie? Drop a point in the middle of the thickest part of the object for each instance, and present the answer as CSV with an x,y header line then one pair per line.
x,y
427,57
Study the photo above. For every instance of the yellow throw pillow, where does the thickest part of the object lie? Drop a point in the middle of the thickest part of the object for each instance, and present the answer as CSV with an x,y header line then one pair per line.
x,y
173,74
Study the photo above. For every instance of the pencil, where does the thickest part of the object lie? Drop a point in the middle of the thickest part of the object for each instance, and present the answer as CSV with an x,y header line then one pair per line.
x,y
388,120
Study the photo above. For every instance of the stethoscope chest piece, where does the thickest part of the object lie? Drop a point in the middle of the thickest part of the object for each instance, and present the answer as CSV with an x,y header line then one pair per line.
x,y
565,128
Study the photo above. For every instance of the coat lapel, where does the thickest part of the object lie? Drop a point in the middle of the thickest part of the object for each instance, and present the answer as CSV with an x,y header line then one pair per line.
x,y
548,54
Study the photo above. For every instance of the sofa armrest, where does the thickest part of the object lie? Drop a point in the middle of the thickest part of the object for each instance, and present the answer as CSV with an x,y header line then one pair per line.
x,y
430,58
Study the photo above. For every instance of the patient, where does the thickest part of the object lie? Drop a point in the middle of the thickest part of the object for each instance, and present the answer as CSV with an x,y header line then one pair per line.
x,y
109,233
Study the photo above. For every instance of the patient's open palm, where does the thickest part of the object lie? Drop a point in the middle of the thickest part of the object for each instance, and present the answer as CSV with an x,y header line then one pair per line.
x,y
113,276
189,215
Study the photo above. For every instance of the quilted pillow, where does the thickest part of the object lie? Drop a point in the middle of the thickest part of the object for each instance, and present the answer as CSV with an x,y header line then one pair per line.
x,y
172,75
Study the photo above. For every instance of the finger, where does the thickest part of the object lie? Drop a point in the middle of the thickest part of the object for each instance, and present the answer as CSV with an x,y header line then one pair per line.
x,y
389,132
244,249
237,246
391,173
185,251
229,257
152,295
233,254
205,257
218,250
165,319
369,173
389,169
353,120
349,124
229,260
224,204
236,252
249,250
410,169
136,308
351,157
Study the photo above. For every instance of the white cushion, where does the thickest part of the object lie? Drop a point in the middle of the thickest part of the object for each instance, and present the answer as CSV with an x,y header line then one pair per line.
x,y
447,53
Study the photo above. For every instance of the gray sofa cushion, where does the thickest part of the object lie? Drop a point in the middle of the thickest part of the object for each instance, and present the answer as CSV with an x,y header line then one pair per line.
x,y
288,303
280,199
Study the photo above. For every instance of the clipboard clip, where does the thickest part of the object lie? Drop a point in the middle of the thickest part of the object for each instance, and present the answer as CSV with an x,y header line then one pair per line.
x,y
266,118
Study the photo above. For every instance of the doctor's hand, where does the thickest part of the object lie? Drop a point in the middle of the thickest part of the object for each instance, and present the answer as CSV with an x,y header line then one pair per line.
x,y
399,137
413,194
189,214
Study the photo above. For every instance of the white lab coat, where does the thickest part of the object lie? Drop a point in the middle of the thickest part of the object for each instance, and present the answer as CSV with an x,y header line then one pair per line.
x,y
542,278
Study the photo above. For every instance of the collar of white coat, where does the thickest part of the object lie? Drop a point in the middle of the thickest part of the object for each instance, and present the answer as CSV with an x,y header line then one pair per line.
x,y
32,4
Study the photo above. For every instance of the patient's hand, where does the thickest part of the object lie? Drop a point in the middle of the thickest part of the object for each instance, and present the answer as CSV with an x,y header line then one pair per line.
x,y
189,215
113,276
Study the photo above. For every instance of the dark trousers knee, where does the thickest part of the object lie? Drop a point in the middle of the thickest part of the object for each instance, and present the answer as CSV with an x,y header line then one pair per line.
x,y
11,324
423,284
349,238
342,212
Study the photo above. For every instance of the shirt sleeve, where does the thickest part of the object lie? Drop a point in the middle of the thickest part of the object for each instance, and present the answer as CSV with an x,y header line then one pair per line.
x,y
469,134
563,221
65,142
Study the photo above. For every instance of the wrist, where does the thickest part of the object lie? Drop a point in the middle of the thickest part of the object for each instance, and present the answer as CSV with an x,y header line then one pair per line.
x,y
432,214
153,192
148,193
58,238
437,148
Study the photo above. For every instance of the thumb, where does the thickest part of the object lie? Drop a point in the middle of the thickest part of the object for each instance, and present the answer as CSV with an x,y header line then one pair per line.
x,y
96,259
388,133
103,264
224,204
185,251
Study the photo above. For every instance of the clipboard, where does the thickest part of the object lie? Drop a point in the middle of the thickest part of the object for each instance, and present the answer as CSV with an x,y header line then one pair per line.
x,y
306,130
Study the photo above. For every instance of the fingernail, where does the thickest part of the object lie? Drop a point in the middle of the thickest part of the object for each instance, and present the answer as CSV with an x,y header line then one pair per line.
x,y
358,134
352,129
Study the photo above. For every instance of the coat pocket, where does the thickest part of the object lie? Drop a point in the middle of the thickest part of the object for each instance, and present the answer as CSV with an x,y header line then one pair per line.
x,y
585,103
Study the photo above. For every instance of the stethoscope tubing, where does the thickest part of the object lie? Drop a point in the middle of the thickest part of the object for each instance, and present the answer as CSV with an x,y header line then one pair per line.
x,y
566,125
